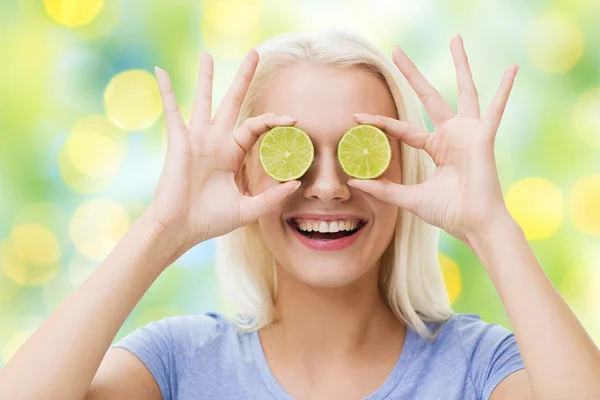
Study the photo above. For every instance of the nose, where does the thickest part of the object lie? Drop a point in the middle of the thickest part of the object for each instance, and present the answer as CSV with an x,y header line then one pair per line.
x,y
325,180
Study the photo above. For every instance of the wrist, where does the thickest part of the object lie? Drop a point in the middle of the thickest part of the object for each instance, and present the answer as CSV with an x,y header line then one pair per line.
x,y
500,226
171,242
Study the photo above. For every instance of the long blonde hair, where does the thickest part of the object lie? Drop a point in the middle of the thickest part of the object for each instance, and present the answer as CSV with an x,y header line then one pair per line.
x,y
410,276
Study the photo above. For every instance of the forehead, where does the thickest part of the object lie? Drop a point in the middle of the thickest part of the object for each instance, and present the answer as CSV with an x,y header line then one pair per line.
x,y
324,98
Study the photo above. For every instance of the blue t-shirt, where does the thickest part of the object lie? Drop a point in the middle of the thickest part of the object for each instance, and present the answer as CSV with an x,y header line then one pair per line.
x,y
204,357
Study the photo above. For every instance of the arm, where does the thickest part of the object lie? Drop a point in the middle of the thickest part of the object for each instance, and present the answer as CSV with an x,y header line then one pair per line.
x,y
561,360
464,197
196,199
62,356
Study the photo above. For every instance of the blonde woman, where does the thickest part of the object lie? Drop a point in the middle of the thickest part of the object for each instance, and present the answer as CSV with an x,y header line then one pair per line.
x,y
360,313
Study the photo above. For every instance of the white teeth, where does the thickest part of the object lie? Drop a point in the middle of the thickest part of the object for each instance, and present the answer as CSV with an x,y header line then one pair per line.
x,y
326,226
333,227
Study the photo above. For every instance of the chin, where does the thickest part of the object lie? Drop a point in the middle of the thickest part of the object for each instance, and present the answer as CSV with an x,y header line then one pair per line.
x,y
321,272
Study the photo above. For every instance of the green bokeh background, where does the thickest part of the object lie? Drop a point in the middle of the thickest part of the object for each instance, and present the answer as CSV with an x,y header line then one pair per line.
x,y
54,75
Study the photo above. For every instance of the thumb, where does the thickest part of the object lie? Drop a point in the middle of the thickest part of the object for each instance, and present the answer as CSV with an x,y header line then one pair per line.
x,y
252,208
404,196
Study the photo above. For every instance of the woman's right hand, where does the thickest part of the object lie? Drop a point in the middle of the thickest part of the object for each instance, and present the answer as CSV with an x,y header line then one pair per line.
x,y
196,197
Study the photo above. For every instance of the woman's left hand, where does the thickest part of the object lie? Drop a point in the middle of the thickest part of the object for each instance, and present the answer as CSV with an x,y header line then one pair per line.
x,y
464,194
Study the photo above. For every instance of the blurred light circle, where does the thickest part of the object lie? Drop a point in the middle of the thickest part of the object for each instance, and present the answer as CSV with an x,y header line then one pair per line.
x,y
78,80
586,117
537,206
15,342
553,43
584,205
36,244
73,13
97,226
23,272
132,100
451,274
77,180
230,27
96,146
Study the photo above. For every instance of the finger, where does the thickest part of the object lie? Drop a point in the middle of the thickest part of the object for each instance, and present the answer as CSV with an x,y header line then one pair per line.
x,y
468,99
494,113
173,118
437,108
404,196
228,110
406,132
202,108
252,128
252,208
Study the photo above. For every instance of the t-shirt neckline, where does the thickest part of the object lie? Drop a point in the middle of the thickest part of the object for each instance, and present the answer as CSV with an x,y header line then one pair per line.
x,y
380,393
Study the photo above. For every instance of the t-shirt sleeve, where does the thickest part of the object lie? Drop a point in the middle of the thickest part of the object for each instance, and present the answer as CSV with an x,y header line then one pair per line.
x,y
491,352
153,345
164,346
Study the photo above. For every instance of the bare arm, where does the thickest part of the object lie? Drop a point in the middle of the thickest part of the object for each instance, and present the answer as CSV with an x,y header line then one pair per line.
x,y
62,356
561,360
196,199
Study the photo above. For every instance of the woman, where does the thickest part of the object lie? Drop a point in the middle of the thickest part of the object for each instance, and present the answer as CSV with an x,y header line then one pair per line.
x,y
367,319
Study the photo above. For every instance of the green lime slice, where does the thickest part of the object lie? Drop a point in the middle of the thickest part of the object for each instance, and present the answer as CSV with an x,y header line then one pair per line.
x,y
286,153
364,152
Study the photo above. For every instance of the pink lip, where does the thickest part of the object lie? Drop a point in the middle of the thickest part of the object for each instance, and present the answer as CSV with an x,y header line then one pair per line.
x,y
325,245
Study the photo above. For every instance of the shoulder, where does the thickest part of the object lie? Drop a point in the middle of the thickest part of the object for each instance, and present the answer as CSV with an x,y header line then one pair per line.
x,y
470,330
489,350
167,346
182,334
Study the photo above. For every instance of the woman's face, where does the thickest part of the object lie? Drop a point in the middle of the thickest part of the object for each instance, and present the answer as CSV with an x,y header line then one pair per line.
x,y
323,100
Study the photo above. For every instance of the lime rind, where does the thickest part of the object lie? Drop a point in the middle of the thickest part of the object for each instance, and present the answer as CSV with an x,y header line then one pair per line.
x,y
364,152
281,141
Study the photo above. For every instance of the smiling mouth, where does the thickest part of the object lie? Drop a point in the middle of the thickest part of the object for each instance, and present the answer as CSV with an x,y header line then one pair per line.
x,y
326,235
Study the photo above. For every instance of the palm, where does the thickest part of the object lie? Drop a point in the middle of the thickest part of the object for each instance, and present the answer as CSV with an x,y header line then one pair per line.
x,y
196,193
465,189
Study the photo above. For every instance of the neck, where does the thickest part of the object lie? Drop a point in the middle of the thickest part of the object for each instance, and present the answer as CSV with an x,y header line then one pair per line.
x,y
330,322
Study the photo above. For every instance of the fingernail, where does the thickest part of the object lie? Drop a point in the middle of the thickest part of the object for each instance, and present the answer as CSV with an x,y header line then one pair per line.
x,y
286,118
361,115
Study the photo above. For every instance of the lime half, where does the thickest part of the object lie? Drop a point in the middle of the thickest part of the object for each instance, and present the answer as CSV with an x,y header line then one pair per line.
x,y
364,152
286,153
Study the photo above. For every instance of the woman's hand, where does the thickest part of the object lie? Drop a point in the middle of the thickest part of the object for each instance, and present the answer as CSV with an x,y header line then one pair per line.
x,y
196,197
464,193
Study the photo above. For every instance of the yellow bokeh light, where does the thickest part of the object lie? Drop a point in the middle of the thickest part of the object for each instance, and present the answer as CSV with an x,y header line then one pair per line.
x,y
22,272
97,226
584,205
231,27
77,180
36,244
537,205
96,146
451,274
132,100
553,43
14,343
73,13
586,117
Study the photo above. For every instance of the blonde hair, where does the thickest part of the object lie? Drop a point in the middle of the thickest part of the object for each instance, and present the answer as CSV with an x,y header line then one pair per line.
x,y
410,277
